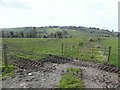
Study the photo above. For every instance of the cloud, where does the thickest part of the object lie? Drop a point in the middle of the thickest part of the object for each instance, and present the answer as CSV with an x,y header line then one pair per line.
x,y
96,13
17,4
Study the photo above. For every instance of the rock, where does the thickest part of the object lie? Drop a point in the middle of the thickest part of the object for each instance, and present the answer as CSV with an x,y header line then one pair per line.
x,y
20,79
23,85
55,79
45,71
21,76
44,79
24,69
42,74
19,71
30,79
36,80
30,74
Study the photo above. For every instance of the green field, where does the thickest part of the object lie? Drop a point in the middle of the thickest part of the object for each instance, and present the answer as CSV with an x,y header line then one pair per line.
x,y
86,43
81,43
32,47
113,42
37,48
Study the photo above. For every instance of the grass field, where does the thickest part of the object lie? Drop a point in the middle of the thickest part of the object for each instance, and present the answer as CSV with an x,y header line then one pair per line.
x,y
113,42
36,48
30,48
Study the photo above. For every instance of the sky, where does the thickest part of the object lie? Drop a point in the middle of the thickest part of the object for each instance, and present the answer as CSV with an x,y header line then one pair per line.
x,y
89,13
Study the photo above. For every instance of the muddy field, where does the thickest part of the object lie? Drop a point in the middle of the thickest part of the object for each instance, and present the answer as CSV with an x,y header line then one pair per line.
x,y
48,76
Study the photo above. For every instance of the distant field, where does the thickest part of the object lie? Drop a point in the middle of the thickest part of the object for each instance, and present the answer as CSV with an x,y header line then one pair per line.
x,y
78,46
30,48
35,48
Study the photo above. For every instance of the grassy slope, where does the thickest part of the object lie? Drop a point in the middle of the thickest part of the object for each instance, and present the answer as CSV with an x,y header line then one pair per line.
x,y
31,47
53,46
75,33
113,42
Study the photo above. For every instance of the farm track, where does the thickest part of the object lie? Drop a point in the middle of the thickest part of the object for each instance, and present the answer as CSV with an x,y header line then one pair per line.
x,y
61,60
47,72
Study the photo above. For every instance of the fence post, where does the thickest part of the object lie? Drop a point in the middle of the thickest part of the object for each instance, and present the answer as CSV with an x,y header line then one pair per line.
x,y
62,49
104,50
5,55
73,46
92,52
79,52
109,53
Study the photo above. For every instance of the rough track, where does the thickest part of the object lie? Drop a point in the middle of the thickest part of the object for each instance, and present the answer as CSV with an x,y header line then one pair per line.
x,y
61,60
47,73
106,67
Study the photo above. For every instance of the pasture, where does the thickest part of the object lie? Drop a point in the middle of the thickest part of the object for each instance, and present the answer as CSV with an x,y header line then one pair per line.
x,y
80,48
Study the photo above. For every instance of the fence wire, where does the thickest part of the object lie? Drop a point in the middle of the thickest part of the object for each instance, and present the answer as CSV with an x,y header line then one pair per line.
x,y
69,50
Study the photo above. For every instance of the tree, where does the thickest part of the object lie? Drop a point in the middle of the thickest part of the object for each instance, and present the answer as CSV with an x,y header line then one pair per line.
x,y
12,34
33,33
3,34
22,34
59,34
44,36
118,34
52,35
39,35
70,36
55,35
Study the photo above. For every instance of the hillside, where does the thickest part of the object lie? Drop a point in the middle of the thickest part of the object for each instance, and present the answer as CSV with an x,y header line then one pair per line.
x,y
56,32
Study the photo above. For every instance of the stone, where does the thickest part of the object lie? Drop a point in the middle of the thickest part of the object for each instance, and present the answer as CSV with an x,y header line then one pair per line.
x,y
36,80
30,74
20,79
24,69
42,74
21,76
44,80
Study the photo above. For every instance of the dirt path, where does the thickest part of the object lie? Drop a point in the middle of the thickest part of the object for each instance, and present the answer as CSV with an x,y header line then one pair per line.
x,y
94,78
51,73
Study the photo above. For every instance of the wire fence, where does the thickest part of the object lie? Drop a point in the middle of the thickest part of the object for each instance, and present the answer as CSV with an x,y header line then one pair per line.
x,y
69,50
101,53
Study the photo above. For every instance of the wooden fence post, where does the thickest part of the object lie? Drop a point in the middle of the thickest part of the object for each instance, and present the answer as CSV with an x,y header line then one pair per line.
x,y
5,55
92,52
109,53
104,50
62,49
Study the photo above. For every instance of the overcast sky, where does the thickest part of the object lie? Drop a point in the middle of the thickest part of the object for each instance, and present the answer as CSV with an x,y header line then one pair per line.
x,y
89,13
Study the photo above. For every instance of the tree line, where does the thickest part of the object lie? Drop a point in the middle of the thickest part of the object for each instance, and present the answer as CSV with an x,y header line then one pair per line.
x,y
33,33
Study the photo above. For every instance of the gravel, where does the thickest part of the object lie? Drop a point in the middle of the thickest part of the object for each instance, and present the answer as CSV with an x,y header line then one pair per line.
x,y
49,76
